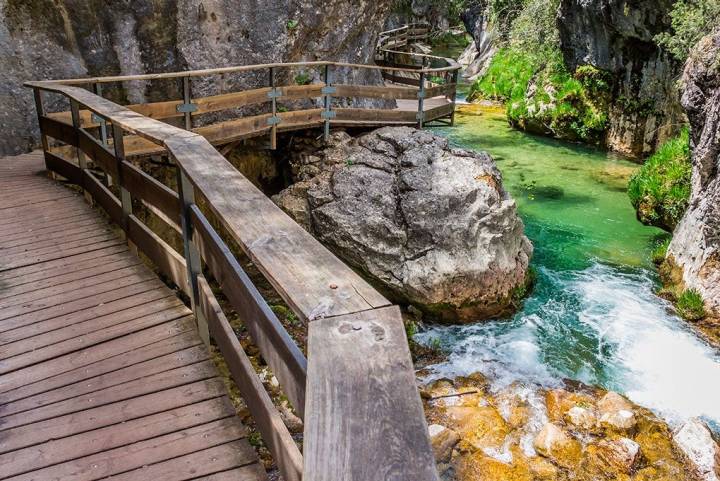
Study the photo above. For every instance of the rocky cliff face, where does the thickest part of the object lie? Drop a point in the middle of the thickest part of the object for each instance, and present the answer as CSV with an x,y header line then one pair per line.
x,y
478,54
695,247
433,225
617,36
43,39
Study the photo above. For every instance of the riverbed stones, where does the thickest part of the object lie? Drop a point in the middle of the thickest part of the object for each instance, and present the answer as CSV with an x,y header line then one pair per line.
x,y
557,445
616,412
431,224
694,440
609,459
443,442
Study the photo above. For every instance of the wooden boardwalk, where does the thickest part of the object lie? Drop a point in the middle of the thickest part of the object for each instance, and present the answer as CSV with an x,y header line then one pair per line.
x,y
102,372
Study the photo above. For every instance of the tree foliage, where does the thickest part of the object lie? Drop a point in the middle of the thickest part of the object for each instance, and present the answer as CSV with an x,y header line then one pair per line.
x,y
691,20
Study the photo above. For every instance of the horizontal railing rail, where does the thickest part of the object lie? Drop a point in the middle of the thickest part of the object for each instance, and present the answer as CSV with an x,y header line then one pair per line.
x,y
356,391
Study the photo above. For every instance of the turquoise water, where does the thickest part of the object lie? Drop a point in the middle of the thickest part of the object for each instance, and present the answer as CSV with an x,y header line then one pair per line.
x,y
593,315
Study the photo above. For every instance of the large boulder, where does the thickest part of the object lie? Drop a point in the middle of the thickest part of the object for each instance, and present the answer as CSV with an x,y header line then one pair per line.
x,y
695,247
432,224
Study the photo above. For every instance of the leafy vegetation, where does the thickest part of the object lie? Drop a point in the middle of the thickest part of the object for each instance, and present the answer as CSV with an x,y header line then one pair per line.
x,y
690,20
660,190
659,252
530,76
690,305
303,79
292,24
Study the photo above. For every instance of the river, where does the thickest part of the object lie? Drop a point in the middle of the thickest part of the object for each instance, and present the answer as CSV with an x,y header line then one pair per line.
x,y
593,315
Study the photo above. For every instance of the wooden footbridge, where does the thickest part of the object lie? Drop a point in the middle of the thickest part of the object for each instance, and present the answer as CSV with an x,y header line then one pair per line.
x,y
105,372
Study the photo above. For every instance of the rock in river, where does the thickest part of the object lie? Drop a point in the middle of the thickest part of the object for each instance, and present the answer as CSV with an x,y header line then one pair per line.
x,y
432,224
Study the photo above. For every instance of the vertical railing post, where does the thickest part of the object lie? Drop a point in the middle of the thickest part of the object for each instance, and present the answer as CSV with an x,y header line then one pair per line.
x,y
40,110
82,161
186,193
327,92
421,98
97,89
125,197
455,77
187,100
274,119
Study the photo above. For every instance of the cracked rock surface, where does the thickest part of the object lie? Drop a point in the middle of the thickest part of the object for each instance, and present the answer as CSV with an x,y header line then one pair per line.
x,y
431,224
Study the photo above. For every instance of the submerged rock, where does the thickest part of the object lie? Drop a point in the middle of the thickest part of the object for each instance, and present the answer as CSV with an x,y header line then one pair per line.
x,y
610,459
695,247
432,224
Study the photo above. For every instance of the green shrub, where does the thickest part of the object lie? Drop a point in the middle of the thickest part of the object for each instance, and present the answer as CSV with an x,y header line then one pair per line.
x,y
691,20
660,190
659,252
690,305
303,79
507,77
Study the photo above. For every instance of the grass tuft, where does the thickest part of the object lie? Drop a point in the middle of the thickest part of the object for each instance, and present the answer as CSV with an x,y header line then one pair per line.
x,y
659,252
690,305
660,190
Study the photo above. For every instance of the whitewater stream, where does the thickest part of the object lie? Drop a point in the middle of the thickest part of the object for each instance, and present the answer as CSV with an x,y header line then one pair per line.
x,y
593,315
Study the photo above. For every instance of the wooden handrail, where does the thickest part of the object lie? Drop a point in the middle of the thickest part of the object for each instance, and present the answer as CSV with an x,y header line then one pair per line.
x,y
363,415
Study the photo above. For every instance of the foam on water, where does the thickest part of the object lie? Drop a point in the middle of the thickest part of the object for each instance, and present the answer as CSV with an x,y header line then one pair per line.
x,y
602,326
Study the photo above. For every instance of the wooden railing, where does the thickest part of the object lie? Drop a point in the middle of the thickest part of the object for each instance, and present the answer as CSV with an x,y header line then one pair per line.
x,y
363,419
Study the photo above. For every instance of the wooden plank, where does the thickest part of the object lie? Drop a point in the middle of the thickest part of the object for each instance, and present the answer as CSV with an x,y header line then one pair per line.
x,y
268,421
364,418
237,129
277,347
93,354
16,201
109,414
130,431
104,197
98,153
74,344
201,463
143,453
168,261
144,187
45,231
375,91
38,247
79,309
374,115
67,250
307,275
151,384
58,266
439,112
63,167
251,472
61,131
75,290
441,90
400,79
92,374
16,402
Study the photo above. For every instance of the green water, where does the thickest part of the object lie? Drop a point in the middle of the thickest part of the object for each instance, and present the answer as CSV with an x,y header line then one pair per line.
x,y
593,315
571,197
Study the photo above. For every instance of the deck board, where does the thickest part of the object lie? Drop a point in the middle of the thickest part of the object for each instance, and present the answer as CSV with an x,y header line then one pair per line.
x,y
102,372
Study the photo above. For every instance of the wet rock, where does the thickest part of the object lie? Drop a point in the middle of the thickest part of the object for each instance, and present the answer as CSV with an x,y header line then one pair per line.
x,y
479,467
479,427
560,401
695,246
443,441
582,418
609,459
616,412
694,440
542,469
432,224
557,445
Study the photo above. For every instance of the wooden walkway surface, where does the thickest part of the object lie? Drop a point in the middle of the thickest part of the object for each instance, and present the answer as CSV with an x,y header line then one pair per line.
x,y
102,372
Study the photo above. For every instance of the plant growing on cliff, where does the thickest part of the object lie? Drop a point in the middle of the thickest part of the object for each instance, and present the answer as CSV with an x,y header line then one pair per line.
x,y
690,305
659,252
690,20
660,190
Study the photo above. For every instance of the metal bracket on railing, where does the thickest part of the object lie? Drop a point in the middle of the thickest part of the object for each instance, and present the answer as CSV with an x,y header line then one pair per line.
x,y
420,116
187,108
275,93
274,120
328,114
328,90
421,94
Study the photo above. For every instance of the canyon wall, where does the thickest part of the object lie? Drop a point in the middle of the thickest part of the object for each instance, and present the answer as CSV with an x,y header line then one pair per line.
x,y
617,36
44,39
695,247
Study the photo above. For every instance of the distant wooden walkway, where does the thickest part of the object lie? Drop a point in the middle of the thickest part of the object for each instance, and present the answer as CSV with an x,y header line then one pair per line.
x,y
102,372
